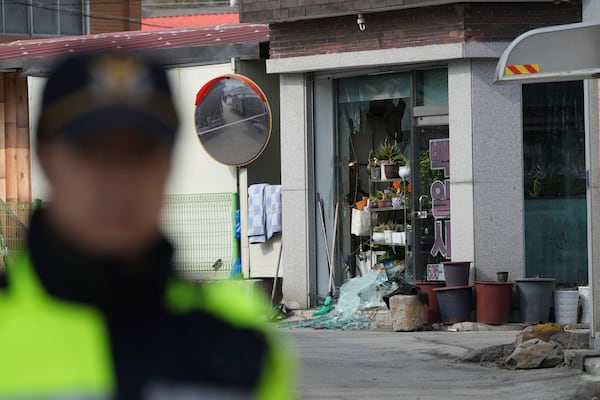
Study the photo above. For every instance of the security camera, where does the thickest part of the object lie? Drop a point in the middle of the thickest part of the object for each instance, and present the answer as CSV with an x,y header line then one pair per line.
x,y
361,22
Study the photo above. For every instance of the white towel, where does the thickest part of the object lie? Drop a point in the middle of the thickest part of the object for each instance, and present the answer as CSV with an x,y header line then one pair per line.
x,y
256,213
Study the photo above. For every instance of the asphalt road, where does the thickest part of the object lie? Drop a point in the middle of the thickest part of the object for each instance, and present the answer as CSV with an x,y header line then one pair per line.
x,y
423,365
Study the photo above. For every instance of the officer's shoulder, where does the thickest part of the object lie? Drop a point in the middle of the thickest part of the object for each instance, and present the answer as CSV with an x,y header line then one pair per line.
x,y
234,301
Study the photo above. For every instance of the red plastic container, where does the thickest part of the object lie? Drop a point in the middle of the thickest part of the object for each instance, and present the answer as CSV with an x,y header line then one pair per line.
x,y
493,302
432,311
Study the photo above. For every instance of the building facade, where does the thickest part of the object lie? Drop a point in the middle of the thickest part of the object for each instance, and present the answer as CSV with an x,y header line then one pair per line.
x,y
43,19
354,75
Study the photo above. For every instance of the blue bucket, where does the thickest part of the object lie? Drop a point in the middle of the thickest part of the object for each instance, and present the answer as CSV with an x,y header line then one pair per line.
x,y
455,303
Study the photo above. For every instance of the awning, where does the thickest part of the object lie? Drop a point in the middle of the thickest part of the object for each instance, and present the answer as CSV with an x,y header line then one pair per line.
x,y
174,47
552,54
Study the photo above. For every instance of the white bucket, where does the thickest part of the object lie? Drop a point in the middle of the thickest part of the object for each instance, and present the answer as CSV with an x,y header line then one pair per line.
x,y
584,292
565,306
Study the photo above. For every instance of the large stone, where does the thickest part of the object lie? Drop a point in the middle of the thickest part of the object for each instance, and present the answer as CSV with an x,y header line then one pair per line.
x,y
574,340
535,353
543,332
407,313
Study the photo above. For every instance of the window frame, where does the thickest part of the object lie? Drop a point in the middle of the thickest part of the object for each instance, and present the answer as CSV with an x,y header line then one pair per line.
x,y
30,21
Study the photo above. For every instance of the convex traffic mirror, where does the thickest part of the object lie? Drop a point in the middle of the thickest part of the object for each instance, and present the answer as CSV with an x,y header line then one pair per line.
x,y
233,119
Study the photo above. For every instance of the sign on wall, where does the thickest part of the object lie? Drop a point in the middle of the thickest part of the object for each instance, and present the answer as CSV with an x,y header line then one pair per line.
x,y
439,150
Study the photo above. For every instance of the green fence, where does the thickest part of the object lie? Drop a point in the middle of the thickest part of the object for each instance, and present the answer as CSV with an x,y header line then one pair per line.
x,y
14,217
201,227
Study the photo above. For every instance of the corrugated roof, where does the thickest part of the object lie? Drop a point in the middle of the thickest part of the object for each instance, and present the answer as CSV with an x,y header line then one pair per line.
x,y
134,40
185,21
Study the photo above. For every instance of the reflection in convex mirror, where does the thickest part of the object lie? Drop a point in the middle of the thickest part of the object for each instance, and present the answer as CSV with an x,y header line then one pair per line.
x,y
233,119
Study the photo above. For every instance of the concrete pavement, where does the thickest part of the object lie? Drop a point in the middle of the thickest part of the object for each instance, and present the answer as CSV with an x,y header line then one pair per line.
x,y
419,365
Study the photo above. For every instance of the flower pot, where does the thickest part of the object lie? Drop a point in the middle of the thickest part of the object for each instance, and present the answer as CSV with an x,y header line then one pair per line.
x,y
565,306
584,293
391,171
493,302
384,203
432,311
455,303
502,276
375,172
404,171
378,237
457,273
535,299
397,202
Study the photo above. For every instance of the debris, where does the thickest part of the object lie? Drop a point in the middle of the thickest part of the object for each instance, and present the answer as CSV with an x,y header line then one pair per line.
x,y
407,313
407,290
361,293
332,321
542,331
535,353
490,355
572,340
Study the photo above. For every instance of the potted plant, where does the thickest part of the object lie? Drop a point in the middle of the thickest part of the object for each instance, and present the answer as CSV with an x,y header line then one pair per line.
x,y
373,201
373,166
397,195
379,232
384,200
390,158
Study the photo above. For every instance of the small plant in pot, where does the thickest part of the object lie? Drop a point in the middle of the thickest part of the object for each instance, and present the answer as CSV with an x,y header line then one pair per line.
x,y
384,200
390,158
373,166
373,201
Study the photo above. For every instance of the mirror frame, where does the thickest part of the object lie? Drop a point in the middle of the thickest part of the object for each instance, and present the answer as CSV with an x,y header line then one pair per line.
x,y
201,94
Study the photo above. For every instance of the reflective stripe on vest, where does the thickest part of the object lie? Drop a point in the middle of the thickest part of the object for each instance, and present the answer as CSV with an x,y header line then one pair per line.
x,y
50,348
53,349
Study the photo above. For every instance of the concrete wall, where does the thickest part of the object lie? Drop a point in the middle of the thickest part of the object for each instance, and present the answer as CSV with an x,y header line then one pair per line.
x,y
497,174
193,170
297,193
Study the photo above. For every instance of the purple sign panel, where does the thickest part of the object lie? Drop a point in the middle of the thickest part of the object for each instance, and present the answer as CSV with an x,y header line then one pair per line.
x,y
439,153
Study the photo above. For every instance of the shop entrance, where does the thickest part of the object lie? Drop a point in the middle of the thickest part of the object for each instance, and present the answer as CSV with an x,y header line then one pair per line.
x,y
406,110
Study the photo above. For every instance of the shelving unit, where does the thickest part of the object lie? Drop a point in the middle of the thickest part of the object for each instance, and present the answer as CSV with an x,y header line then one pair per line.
x,y
393,214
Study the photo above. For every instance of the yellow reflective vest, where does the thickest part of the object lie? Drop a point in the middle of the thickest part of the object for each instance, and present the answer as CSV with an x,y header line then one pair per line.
x,y
51,348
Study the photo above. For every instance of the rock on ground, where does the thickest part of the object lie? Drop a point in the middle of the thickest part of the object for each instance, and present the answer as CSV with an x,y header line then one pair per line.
x,y
543,332
535,353
572,340
407,313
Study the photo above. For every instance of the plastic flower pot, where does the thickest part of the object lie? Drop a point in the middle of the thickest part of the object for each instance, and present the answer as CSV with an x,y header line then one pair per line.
x,y
493,302
535,299
584,293
391,171
457,273
455,303
565,306
432,311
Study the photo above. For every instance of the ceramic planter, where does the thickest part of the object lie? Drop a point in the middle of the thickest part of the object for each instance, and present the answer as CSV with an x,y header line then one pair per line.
x,y
493,302
457,273
565,306
432,311
455,303
535,299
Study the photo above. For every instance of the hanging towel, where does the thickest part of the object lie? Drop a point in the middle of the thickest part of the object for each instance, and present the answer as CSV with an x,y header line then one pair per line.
x,y
256,213
273,209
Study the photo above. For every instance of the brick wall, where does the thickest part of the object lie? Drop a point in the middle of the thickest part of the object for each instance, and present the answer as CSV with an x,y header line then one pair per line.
x,y
417,27
281,10
114,16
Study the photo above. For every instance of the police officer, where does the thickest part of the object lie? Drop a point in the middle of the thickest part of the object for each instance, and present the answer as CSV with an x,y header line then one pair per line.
x,y
91,308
